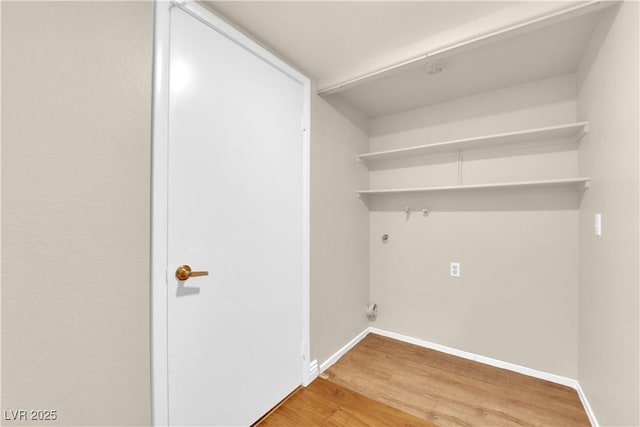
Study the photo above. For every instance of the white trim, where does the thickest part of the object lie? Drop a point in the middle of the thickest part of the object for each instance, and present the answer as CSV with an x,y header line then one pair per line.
x,y
307,375
208,18
159,173
348,346
159,232
587,407
313,372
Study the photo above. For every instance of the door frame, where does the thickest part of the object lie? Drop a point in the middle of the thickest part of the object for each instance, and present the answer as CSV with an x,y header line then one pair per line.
x,y
159,189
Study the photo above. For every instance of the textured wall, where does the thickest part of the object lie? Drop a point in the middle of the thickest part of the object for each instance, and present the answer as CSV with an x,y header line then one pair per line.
x,y
609,354
76,107
339,231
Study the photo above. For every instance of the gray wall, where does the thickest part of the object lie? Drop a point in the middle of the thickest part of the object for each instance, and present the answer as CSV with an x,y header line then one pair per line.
x,y
76,108
516,300
609,354
339,231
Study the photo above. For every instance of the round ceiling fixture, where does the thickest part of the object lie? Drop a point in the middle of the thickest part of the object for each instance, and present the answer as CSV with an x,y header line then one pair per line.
x,y
435,67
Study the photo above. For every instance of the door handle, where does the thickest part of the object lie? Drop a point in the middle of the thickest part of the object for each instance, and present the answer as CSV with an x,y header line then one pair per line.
x,y
184,272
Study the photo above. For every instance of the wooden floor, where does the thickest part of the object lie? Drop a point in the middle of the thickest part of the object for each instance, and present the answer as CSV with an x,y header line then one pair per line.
x,y
324,403
382,380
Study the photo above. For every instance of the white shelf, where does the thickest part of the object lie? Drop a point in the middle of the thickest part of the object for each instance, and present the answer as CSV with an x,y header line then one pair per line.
x,y
571,131
575,184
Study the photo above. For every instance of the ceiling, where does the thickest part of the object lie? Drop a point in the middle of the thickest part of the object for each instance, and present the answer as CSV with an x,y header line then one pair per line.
x,y
329,38
332,41
550,51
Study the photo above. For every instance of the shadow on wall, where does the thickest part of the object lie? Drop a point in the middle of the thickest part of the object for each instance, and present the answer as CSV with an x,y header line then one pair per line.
x,y
502,101
595,45
490,200
469,155
356,118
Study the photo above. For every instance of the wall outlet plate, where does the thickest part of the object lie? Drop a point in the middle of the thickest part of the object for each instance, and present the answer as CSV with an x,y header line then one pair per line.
x,y
454,269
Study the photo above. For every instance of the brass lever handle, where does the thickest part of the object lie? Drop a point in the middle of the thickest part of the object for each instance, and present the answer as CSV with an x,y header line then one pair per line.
x,y
184,272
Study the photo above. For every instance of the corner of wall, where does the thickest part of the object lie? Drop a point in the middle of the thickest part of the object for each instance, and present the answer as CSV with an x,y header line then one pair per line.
x,y
339,227
609,277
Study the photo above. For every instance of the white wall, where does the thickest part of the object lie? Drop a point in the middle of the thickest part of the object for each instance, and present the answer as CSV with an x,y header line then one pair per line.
x,y
76,108
609,354
339,231
517,298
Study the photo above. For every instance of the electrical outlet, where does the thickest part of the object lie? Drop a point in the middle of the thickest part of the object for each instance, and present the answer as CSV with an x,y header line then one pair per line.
x,y
454,269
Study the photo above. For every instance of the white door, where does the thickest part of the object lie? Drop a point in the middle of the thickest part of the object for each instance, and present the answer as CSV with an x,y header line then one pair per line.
x,y
235,210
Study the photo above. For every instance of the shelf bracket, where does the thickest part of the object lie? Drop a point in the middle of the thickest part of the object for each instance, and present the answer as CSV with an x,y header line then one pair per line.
x,y
582,133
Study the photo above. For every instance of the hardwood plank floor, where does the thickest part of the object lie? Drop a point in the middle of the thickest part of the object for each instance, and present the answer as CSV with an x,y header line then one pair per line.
x,y
324,403
452,391
384,382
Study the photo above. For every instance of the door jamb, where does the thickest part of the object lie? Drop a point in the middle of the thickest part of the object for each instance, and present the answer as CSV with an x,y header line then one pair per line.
x,y
159,201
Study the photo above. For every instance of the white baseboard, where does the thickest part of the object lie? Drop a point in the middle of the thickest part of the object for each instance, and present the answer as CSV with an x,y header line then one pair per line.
x,y
558,379
338,354
569,382
587,407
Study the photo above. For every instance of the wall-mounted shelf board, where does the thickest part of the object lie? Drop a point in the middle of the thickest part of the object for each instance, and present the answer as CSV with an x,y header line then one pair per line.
x,y
570,131
575,184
